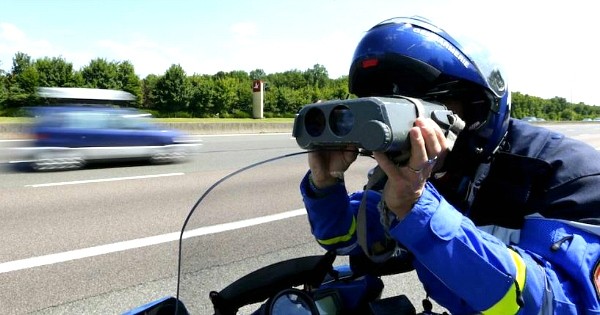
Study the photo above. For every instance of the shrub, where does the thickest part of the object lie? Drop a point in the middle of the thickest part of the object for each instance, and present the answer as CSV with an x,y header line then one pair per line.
x,y
241,114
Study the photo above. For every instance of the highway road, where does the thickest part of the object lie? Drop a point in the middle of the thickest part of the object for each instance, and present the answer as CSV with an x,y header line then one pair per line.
x,y
104,239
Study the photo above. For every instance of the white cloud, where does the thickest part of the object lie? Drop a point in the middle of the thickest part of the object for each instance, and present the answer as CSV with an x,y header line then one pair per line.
x,y
546,52
248,48
10,33
13,40
148,57
244,29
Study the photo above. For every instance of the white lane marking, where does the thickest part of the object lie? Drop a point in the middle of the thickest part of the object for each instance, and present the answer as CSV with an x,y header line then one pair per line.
x,y
14,140
103,180
191,136
244,134
50,259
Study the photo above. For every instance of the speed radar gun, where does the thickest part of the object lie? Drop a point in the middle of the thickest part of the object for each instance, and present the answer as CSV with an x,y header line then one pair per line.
x,y
370,123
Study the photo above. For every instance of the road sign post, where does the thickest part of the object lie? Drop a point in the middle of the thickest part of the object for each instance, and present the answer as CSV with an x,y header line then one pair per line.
x,y
258,99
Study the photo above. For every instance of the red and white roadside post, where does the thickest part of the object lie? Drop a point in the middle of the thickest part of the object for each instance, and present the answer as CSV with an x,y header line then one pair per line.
x,y
258,99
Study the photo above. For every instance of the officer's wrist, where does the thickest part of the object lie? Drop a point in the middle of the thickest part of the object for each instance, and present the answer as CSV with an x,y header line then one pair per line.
x,y
401,211
321,190
392,218
324,182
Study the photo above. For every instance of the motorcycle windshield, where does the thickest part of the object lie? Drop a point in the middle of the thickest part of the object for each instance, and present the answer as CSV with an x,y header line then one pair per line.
x,y
248,219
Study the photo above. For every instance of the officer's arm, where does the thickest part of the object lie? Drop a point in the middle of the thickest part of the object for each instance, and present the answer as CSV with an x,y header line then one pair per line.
x,y
471,264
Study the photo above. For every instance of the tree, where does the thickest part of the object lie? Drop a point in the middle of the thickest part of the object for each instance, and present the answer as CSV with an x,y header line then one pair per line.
x,y
24,75
339,88
293,79
203,96
78,80
149,97
288,100
224,93
128,80
226,96
238,75
258,74
21,61
23,81
242,83
173,91
101,74
28,80
317,76
568,114
55,72
3,89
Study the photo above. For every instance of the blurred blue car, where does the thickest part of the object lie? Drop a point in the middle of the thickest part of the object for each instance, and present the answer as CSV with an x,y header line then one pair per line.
x,y
68,137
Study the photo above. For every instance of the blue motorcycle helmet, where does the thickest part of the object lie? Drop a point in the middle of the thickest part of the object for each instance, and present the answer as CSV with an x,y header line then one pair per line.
x,y
412,57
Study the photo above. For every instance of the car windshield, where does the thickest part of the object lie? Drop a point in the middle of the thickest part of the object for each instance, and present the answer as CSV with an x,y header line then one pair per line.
x,y
131,121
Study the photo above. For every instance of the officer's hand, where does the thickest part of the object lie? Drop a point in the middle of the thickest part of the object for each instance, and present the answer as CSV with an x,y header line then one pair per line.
x,y
328,165
405,184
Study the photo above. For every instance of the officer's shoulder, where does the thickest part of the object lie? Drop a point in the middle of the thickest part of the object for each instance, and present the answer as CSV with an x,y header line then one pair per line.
x,y
541,142
527,139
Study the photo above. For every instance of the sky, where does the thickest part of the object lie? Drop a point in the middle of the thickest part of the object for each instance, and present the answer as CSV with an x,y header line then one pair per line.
x,y
547,48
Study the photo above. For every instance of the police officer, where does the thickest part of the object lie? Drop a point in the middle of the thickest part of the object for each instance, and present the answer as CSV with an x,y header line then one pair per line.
x,y
504,220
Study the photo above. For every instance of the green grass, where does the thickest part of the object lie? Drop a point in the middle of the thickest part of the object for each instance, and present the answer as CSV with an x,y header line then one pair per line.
x,y
14,119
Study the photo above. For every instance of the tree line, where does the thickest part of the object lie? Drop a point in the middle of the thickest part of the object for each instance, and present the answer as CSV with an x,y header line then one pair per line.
x,y
224,94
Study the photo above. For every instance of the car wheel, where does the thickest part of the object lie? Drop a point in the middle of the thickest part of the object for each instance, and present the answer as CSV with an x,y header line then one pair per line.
x,y
168,155
55,161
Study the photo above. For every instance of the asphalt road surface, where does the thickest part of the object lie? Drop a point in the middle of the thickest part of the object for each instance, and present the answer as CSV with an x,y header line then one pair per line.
x,y
105,239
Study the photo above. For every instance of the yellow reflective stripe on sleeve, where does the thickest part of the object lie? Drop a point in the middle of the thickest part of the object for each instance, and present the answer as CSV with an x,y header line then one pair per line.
x,y
342,238
508,304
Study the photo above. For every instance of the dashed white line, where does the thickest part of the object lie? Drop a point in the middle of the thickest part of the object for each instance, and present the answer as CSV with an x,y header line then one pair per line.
x,y
77,182
244,134
32,262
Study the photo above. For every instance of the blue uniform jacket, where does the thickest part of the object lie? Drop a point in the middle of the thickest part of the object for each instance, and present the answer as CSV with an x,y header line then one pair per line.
x,y
535,251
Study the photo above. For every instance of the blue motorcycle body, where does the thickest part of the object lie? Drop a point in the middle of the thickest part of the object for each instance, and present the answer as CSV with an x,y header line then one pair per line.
x,y
306,285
